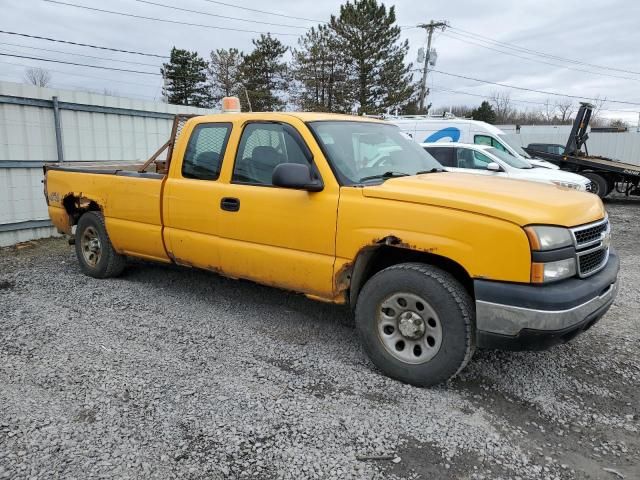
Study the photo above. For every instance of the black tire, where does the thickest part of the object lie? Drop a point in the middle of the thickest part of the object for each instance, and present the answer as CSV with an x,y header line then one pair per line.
x,y
445,296
108,263
600,184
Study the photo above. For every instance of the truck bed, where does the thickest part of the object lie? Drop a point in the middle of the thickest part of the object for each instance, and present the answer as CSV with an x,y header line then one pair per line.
x,y
130,203
590,162
104,168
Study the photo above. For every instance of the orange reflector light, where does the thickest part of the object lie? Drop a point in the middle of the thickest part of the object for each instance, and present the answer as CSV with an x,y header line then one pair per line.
x,y
537,272
533,238
231,105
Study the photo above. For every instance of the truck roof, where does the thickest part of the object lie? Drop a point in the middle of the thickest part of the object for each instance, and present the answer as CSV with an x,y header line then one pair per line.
x,y
304,116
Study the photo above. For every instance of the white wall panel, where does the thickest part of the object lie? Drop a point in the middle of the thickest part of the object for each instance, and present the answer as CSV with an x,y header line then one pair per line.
x,y
27,133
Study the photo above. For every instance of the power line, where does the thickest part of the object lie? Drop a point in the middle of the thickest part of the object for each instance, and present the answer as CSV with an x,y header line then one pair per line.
x,y
82,44
448,35
176,22
79,64
538,53
531,89
487,97
264,11
219,16
79,55
84,75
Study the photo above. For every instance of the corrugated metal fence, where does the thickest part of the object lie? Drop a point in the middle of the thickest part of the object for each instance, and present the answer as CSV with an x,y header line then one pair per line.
x,y
623,146
39,125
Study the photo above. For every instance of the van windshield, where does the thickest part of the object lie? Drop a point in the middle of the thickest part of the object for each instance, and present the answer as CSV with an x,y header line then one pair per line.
x,y
519,150
370,151
515,162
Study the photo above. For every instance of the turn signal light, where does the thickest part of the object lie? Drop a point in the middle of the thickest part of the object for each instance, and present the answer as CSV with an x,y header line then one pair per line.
x,y
537,272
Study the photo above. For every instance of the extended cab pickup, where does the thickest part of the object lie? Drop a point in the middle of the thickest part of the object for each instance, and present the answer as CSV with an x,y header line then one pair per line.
x,y
347,210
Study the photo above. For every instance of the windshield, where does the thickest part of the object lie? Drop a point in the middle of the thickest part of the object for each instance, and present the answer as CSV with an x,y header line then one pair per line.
x,y
367,151
518,149
515,162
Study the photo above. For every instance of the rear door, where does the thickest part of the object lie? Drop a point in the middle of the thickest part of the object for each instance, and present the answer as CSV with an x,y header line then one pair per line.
x,y
192,196
444,155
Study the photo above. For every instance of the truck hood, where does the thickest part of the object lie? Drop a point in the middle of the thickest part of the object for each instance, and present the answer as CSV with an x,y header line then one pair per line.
x,y
517,201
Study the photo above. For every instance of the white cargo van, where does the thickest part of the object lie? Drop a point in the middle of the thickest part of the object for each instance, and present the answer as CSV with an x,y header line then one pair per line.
x,y
428,129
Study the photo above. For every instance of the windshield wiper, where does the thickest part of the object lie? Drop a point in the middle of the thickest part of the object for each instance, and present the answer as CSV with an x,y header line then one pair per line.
x,y
433,170
384,176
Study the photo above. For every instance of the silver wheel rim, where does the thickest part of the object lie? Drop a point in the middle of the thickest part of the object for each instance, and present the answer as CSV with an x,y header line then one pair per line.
x,y
90,245
409,328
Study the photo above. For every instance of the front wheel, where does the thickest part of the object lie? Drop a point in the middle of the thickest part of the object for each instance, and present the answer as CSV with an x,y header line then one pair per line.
x,y
96,255
600,185
416,323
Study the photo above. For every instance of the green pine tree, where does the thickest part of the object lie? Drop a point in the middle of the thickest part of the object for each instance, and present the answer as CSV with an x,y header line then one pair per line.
x,y
225,73
484,113
185,79
265,74
319,69
378,76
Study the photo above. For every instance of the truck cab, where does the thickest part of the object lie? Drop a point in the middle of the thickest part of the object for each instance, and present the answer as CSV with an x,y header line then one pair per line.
x,y
348,210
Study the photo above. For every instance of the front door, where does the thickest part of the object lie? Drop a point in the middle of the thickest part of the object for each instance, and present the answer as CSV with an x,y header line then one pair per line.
x,y
468,160
277,236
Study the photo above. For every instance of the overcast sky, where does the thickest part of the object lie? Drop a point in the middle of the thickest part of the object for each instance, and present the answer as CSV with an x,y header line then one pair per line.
x,y
603,33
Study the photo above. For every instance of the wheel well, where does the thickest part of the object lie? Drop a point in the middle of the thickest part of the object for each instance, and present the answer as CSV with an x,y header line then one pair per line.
x,y
372,260
76,206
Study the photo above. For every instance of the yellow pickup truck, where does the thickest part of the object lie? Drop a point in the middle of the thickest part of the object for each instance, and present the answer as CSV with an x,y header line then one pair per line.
x,y
347,210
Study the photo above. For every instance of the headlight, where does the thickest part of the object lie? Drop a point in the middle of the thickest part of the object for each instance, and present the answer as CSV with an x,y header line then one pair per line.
x,y
552,271
573,186
547,244
548,238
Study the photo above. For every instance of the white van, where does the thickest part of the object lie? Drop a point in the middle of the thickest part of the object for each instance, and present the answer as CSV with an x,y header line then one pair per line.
x,y
427,129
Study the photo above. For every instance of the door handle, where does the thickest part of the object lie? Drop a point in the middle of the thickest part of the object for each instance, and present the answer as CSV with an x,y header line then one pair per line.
x,y
230,204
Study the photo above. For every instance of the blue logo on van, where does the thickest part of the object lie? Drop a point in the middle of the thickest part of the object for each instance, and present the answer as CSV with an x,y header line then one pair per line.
x,y
449,132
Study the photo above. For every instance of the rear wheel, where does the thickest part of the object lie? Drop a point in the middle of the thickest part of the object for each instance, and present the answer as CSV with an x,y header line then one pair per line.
x,y
600,184
95,253
416,323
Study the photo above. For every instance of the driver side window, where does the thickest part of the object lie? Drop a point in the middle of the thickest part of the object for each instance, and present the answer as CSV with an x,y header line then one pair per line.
x,y
487,140
264,146
467,158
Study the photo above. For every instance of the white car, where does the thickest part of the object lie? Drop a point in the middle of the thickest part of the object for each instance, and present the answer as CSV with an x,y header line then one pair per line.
x,y
488,160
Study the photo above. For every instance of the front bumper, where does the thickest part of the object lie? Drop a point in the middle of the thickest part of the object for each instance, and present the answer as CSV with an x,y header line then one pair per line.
x,y
533,317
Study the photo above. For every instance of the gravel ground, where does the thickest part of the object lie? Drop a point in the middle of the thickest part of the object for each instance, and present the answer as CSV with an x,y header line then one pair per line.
x,y
170,372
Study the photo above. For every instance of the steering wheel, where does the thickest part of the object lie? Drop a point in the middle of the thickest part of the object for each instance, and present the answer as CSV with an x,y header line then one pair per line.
x,y
381,162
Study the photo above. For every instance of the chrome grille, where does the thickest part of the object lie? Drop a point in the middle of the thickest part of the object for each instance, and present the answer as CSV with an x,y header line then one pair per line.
x,y
592,247
590,234
592,261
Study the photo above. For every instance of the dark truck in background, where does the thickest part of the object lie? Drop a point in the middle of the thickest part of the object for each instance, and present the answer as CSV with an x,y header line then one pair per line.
x,y
606,174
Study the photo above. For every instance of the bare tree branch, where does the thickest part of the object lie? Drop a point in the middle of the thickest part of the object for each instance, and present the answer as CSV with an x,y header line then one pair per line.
x,y
37,76
565,109
502,105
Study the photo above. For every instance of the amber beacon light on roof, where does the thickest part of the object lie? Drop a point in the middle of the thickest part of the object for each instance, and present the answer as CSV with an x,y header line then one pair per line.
x,y
231,105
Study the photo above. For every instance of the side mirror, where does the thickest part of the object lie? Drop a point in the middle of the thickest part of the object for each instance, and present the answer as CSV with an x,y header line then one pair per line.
x,y
296,176
494,167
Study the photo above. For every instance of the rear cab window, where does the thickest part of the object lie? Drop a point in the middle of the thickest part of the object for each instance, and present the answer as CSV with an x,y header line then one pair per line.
x,y
206,147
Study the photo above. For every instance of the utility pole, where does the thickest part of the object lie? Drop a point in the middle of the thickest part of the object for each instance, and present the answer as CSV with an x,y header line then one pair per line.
x,y
429,27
